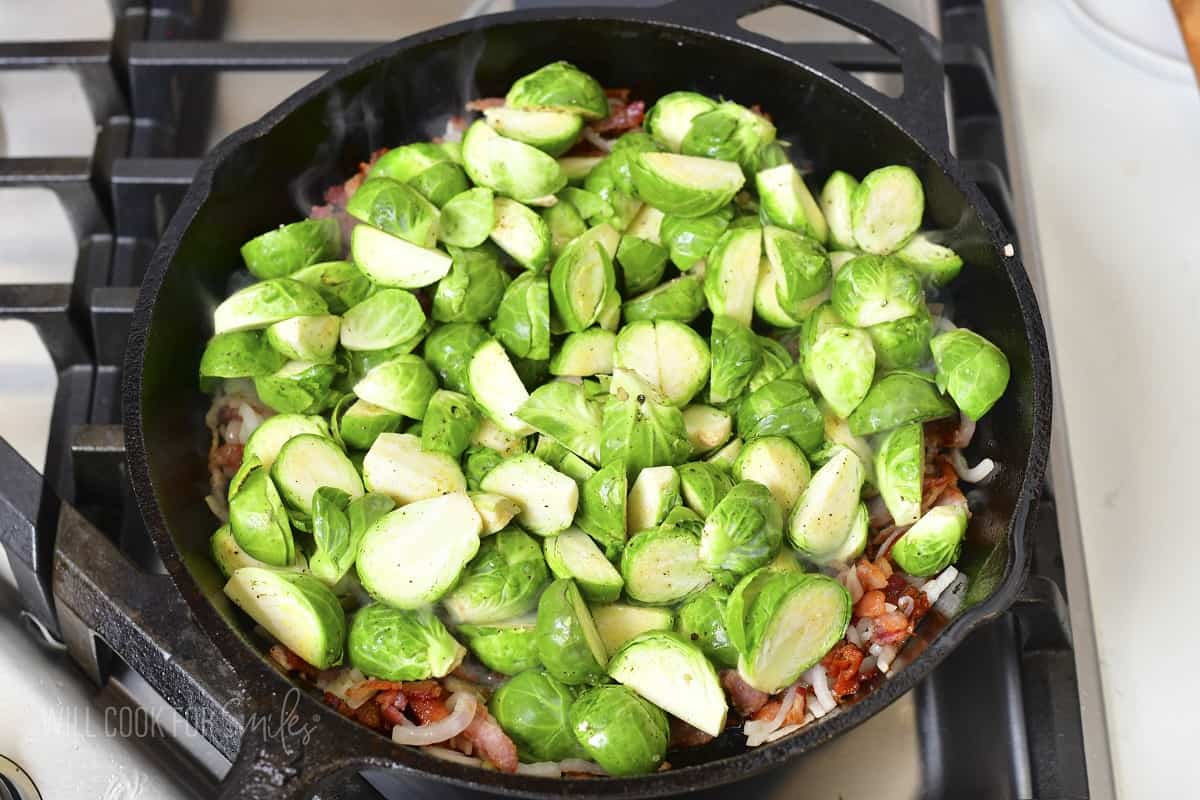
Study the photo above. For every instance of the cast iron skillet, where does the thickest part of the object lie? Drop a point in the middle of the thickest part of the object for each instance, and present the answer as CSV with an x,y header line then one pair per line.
x,y
270,172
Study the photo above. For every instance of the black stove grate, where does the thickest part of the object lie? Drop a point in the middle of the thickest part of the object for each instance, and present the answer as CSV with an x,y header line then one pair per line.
x,y
999,719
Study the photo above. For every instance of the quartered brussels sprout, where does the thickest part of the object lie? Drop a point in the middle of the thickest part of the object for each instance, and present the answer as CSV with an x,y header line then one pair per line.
x,y
820,320
304,338
521,233
552,132
681,300
408,161
582,277
279,253
298,387
503,581
240,354
701,621
602,181
534,710
548,499
339,283
624,151
836,199
265,303
933,543
471,291
686,186
449,424
497,388
392,261
766,298
467,218
670,119
402,385
934,262
305,464
589,204
522,321
783,407
652,496
508,647
824,524
448,350
563,411
784,622
508,167
296,609
588,352
743,532
690,239
489,434
786,201
731,132
899,470
732,273
395,208
642,262
398,467
620,731
563,460
602,508
776,360
229,557
359,362
617,623
708,428
776,463
842,362
801,269
662,566
703,486
560,87
668,356
886,209
902,343
477,463
414,555
870,290
736,356
684,519
385,319
259,520
837,433
569,646
401,645
897,398
441,182
564,223
641,432
577,168
264,444
673,674
338,524
494,510
573,554
971,369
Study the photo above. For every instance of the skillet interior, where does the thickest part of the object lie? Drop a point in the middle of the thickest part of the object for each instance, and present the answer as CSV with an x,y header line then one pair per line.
x,y
272,173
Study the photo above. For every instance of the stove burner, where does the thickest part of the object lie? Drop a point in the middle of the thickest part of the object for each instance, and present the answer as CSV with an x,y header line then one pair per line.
x,y
15,783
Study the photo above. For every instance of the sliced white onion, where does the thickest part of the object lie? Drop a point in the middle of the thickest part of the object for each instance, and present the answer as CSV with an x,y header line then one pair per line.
x,y
784,731
446,754
542,769
893,536
582,766
338,683
250,421
889,607
218,507
865,629
934,588
886,656
867,665
852,636
819,681
853,585
233,431
970,474
905,604
599,141
462,707
757,730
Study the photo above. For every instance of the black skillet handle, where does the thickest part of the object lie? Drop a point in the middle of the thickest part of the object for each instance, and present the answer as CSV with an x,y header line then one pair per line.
x,y
921,109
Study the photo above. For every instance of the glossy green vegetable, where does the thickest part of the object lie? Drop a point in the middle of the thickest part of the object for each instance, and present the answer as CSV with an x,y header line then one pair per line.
x,y
784,407
640,432
870,290
681,299
385,319
672,673
708,428
552,132
933,543
897,398
836,198
547,498
583,277
617,623
736,356
339,523
560,87
308,462
448,350
934,262
503,581
567,641
776,463
339,283
259,520
521,233
824,520
787,202
670,119
731,132
971,369
662,566
564,411
902,343
732,273
288,248
265,303
471,291
402,385
899,470
392,261
687,186
506,647
397,466
886,209
703,486
670,358
522,321
305,338
588,352
842,361
534,710
298,387
564,224
396,208
449,424
240,354
296,609
401,645
742,533
690,239
573,554
467,218
508,167
701,621
620,731
602,508
655,492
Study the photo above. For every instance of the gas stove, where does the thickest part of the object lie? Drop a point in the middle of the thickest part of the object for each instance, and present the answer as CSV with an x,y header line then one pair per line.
x,y
164,80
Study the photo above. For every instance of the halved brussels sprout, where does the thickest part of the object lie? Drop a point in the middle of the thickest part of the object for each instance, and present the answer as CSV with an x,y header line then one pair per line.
x,y
241,354
449,424
690,239
640,432
725,457
562,410
732,273
736,356
703,485
359,362
585,353
547,498
684,519
602,509
402,385
494,510
262,304
686,186
620,160
647,226
552,132
407,162
642,261
497,387
670,119
836,199
899,470
708,428
973,370
338,525
297,609
662,566
441,182
602,181
305,464
471,291
577,168
560,86
870,290
610,313
617,623
679,300
801,268
766,298
563,460
652,496
620,731
573,554
502,581
229,557
886,209
582,277
742,533
837,432
567,641
522,321
778,464
668,356
509,167
449,349
731,132
842,362
298,387
395,208
385,319
902,343
339,283
785,623
391,261
565,223
822,318
477,463
673,674
933,543
489,434
468,218
264,444
259,520
701,621
784,407
897,398
787,202
934,262
824,517
534,709
521,233
414,555
776,361
508,647
588,204
304,338
279,253
401,645
397,467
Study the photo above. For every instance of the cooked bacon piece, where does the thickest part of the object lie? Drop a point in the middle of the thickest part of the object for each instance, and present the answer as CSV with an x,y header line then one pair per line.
x,y
484,103
870,576
617,94
422,689
841,666
939,477
370,715
890,627
292,662
226,457
428,709
871,604
895,588
746,699
949,433
684,735
795,714
491,741
621,118
768,711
